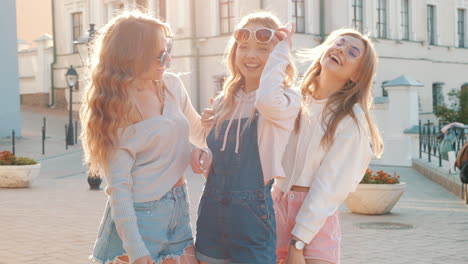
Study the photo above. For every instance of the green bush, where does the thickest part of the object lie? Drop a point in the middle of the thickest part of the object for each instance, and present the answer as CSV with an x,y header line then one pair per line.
x,y
24,161
458,109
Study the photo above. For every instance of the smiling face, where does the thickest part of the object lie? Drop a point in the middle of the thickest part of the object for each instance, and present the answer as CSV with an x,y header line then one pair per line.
x,y
344,57
251,56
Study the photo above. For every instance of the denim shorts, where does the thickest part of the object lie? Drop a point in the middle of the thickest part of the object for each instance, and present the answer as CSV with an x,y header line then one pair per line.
x,y
164,227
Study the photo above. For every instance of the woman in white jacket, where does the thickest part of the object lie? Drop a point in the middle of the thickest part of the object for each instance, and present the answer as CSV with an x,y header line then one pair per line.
x,y
330,150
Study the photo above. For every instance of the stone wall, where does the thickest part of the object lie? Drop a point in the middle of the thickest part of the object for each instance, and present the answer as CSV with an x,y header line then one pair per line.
x,y
36,100
440,175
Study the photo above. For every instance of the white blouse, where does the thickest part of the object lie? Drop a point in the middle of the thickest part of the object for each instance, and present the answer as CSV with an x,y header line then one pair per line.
x,y
330,173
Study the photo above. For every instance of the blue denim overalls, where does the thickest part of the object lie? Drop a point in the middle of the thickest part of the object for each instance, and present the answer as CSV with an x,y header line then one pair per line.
x,y
236,221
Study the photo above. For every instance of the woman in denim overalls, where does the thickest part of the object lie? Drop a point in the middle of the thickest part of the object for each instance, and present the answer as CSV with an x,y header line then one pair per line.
x,y
254,117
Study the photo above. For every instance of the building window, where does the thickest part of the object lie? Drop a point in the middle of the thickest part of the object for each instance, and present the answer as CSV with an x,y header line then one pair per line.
x,y
298,15
461,28
405,27
357,15
431,24
382,18
77,27
225,16
437,95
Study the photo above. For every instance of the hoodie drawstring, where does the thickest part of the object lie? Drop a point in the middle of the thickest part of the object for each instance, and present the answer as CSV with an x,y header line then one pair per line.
x,y
228,127
239,106
238,127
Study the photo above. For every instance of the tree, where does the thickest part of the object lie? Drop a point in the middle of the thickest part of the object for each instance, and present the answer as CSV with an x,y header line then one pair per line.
x,y
458,109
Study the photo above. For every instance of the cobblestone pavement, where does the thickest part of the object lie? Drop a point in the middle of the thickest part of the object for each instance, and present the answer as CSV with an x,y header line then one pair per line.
x,y
56,220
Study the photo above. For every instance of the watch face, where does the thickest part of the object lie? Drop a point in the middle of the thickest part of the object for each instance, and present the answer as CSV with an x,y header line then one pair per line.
x,y
299,245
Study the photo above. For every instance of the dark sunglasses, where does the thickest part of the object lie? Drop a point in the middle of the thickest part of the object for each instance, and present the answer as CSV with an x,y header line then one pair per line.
x,y
163,58
262,35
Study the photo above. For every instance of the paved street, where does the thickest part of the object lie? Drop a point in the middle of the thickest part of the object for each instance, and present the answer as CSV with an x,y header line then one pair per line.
x,y
56,220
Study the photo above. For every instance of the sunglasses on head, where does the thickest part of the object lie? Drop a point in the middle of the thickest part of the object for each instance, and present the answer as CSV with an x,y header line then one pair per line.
x,y
163,58
262,35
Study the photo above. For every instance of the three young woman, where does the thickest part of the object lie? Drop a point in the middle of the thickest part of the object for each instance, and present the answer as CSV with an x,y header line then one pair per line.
x,y
137,122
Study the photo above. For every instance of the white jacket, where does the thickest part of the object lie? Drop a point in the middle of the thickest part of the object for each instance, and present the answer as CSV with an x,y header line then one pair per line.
x,y
331,174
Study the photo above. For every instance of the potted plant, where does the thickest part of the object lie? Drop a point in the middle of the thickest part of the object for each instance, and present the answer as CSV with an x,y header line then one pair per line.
x,y
17,172
94,181
376,194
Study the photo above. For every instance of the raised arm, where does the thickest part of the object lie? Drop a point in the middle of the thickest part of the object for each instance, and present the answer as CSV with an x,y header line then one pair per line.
x,y
274,103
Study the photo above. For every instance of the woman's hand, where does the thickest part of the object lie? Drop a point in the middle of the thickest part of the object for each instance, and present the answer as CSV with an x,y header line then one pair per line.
x,y
208,116
200,160
286,34
295,256
144,260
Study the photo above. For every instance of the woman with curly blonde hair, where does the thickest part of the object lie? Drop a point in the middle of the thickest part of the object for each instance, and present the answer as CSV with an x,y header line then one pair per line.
x,y
137,120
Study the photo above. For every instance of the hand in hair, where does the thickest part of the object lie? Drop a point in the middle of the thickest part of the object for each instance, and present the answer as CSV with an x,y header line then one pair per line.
x,y
284,33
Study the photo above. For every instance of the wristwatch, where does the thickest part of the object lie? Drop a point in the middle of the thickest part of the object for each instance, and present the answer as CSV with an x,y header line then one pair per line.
x,y
298,244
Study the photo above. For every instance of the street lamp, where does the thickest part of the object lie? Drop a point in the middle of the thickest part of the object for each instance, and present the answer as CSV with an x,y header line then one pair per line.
x,y
82,44
71,77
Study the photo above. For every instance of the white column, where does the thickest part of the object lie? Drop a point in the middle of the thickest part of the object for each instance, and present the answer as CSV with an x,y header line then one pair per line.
x,y
402,114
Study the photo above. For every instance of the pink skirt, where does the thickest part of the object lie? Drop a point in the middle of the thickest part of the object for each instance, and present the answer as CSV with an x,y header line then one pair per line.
x,y
324,246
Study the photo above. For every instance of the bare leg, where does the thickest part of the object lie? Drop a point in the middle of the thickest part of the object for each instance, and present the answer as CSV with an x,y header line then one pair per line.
x,y
121,260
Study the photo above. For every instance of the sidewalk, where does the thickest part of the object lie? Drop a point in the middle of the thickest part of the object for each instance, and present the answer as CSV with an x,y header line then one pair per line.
x,y
56,220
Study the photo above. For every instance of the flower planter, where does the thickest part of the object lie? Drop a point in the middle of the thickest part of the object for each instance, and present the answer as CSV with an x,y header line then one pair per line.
x,y
94,182
18,176
374,199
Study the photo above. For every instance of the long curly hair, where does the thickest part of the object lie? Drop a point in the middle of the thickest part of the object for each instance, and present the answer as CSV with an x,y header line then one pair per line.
x,y
235,79
340,104
123,49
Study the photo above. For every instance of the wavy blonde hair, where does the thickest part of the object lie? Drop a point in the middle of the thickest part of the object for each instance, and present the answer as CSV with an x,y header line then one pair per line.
x,y
124,48
235,79
340,104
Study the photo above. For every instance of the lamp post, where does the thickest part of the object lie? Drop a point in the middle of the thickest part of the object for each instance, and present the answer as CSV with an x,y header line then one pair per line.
x,y
83,44
71,77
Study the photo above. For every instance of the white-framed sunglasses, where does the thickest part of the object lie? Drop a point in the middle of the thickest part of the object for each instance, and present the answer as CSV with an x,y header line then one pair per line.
x,y
261,35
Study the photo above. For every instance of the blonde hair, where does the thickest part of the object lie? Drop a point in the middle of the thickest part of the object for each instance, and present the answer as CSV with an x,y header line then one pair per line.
x,y
124,48
235,79
341,103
